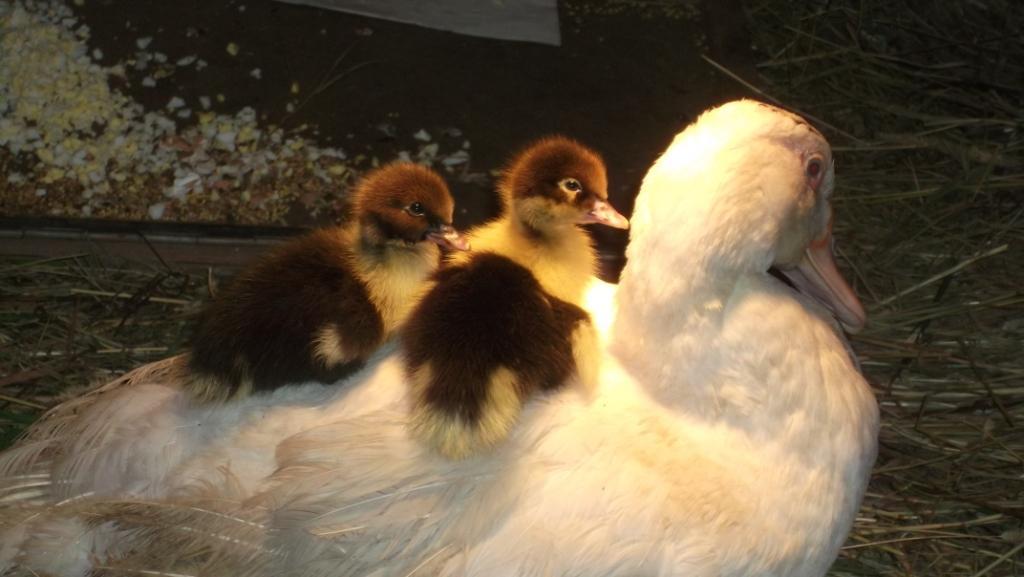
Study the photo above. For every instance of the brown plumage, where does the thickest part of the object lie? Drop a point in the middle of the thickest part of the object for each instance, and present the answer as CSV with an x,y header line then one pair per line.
x,y
317,307
504,321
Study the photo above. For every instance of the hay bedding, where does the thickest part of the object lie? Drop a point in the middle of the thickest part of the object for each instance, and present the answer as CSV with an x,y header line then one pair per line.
x,y
923,103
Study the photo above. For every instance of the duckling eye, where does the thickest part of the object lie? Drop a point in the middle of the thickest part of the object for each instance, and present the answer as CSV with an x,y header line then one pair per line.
x,y
570,185
415,209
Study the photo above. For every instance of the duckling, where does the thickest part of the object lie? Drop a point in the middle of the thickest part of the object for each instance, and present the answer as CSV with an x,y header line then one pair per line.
x,y
320,305
505,321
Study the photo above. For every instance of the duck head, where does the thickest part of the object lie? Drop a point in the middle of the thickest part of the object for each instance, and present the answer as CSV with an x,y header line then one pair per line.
x,y
744,189
555,183
407,205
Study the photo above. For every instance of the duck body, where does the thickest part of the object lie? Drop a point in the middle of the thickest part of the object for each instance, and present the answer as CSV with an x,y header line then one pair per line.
x,y
316,308
728,433
504,322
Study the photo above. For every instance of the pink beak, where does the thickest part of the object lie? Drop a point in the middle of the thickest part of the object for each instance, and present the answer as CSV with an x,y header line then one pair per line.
x,y
818,277
446,236
604,213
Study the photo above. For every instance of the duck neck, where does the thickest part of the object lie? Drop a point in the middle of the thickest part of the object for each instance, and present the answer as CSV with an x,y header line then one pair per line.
x,y
664,326
742,353
681,274
737,345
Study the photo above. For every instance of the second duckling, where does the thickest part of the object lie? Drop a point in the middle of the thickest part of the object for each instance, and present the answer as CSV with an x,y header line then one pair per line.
x,y
505,321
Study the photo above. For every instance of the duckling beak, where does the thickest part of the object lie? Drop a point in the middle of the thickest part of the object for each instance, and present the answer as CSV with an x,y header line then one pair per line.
x,y
604,213
818,277
446,236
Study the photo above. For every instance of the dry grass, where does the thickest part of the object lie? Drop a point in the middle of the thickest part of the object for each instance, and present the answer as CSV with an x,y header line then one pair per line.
x,y
924,104
71,321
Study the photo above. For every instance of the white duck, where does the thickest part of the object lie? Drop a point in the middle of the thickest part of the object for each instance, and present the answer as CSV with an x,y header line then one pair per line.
x,y
730,434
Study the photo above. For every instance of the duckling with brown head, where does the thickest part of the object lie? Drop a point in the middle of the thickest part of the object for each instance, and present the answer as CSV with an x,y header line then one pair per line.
x,y
317,307
504,321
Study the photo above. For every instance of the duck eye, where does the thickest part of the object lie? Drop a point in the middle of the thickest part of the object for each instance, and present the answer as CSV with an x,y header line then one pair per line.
x,y
814,167
570,185
415,209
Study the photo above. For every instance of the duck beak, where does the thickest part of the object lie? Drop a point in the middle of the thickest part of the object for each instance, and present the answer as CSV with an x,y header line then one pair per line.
x,y
818,277
604,213
446,236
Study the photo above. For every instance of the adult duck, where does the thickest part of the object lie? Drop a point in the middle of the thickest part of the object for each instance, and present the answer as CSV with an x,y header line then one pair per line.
x,y
730,433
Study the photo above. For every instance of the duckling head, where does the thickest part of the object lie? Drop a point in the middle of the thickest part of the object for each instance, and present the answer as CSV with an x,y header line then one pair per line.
x,y
406,205
556,183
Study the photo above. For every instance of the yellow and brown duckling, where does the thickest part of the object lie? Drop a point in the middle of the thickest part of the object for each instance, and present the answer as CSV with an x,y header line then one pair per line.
x,y
504,321
317,307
